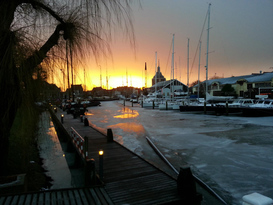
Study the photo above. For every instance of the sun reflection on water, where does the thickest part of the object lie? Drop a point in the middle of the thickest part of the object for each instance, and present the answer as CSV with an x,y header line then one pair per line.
x,y
129,127
127,113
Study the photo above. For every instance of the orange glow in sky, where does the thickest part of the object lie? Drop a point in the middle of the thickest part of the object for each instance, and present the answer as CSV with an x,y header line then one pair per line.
x,y
240,44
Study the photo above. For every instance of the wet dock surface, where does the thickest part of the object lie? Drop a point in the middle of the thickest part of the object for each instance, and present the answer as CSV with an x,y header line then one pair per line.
x,y
128,178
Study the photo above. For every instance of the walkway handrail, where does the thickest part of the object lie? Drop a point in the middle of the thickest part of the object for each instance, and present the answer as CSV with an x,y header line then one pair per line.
x,y
196,178
80,143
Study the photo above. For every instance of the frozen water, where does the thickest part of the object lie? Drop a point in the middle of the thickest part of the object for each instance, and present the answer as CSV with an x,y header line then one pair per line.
x,y
232,154
52,154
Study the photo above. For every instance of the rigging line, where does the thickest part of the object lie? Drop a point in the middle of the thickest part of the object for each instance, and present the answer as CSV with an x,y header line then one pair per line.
x,y
197,48
168,58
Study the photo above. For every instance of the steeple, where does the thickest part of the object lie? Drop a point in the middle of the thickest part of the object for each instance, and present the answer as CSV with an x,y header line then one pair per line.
x,y
158,75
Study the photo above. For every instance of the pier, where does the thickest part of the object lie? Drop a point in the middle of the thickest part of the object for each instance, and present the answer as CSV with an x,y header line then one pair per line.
x,y
126,178
121,177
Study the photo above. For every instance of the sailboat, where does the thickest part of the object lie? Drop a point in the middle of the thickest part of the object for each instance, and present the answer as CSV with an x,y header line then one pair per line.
x,y
151,101
202,106
168,105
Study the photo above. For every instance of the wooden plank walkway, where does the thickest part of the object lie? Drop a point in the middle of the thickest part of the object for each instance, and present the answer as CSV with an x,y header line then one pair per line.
x,y
128,178
80,196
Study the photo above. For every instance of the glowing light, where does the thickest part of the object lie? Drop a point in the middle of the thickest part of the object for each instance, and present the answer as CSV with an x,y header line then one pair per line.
x,y
127,113
100,152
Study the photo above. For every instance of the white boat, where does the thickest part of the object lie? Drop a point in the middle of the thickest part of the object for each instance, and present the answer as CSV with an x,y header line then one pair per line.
x,y
267,103
166,105
260,108
150,101
218,98
238,103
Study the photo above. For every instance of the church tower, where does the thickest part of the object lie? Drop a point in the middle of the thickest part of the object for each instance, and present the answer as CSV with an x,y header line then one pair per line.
x,y
158,76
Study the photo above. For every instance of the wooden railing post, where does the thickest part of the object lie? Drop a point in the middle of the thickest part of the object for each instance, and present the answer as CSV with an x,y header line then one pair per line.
x,y
90,172
85,148
186,187
109,135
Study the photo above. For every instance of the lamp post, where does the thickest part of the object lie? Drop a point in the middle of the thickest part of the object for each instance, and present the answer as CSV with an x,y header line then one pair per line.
x,y
101,164
62,118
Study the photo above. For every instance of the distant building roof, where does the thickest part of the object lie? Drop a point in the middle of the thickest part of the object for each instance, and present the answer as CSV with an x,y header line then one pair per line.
x,y
261,77
166,83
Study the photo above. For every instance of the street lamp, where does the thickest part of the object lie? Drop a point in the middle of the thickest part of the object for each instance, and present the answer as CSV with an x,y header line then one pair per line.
x,y
101,164
62,118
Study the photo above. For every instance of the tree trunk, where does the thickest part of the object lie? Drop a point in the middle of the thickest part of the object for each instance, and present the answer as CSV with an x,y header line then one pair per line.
x,y
11,83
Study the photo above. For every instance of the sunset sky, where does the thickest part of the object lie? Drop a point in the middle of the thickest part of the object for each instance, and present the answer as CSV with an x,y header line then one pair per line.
x,y
241,42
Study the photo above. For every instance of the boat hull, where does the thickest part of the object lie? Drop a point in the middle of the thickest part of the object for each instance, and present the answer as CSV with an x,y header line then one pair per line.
x,y
255,112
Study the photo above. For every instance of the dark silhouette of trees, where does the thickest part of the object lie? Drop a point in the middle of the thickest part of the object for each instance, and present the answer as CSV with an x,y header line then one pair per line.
x,y
35,32
228,90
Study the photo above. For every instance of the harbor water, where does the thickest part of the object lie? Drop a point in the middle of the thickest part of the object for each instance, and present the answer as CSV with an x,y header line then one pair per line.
x,y
232,154
52,154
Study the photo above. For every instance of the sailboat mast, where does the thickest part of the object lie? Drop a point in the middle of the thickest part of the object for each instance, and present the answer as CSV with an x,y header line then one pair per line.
x,y
199,69
188,65
172,90
207,59
155,72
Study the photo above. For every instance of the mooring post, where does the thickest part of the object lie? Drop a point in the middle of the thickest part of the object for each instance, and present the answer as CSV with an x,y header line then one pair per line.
x,y
90,172
186,187
109,135
101,165
86,123
62,118
226,107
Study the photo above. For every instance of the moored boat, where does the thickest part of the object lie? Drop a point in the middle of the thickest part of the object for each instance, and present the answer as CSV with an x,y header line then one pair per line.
x,y
260,108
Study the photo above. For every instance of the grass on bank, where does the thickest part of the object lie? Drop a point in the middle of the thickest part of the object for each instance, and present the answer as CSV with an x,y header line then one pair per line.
x,y
23,152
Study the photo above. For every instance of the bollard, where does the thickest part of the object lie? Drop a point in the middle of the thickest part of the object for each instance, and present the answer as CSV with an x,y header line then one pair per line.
x,y
132,104
101,165
55,109
205,107
141,103
124,102
81,117
227,108
86,123
166,105
62,118
186,187
153,104
90,172
109,135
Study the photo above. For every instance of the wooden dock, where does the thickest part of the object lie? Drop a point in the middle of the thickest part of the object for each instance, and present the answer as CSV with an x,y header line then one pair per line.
x,y
80,196
128,179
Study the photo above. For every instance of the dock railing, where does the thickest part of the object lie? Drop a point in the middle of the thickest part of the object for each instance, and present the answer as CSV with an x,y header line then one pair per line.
x,y
80,143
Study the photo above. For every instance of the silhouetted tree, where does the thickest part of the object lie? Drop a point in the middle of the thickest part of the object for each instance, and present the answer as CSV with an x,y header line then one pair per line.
x,y
194,83
228,90
35,32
